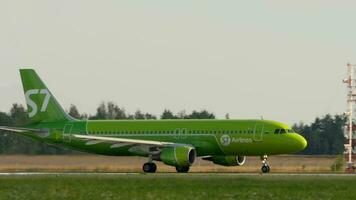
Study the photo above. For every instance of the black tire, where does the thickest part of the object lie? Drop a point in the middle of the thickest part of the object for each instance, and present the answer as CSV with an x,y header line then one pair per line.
x,y
265,169
149,167
153,167
182,169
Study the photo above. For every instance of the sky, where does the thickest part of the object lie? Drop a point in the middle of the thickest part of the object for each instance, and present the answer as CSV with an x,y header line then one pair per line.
x,y
283,60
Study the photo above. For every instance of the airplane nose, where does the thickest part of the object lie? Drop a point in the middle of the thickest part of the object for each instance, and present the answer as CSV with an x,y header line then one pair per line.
x,y
297,143
301,142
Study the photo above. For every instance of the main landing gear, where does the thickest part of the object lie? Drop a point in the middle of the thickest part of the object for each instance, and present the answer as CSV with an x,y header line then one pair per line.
x,y
265,168
149,167
182,169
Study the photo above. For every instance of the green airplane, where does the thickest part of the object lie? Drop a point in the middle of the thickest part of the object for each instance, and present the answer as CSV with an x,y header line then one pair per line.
x,y
174,142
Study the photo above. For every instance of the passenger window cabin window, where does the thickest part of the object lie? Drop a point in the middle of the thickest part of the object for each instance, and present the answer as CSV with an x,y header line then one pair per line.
x,y
277,131
283,131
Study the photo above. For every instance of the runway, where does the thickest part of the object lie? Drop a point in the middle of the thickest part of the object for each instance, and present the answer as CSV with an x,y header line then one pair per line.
x,y
174,174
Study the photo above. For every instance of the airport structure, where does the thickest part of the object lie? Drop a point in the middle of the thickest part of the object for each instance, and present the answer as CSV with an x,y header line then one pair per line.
x,y
350,128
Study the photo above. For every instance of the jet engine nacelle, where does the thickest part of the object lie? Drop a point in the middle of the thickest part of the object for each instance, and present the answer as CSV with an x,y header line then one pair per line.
x,y
227,160
178,156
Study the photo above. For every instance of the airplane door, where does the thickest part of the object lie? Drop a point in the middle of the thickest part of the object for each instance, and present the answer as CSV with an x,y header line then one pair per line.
x,y
258,132
67,131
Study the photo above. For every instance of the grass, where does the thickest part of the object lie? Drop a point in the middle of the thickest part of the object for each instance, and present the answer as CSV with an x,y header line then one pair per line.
x,y
176,186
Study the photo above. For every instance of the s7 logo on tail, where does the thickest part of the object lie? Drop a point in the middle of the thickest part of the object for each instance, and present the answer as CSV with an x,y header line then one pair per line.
x,y
33,104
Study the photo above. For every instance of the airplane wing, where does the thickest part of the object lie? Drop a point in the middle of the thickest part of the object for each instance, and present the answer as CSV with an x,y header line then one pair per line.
x,y
125,140
137,146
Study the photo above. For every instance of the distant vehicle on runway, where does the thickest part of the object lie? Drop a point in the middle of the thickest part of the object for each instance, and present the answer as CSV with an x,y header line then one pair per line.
x,y
174,142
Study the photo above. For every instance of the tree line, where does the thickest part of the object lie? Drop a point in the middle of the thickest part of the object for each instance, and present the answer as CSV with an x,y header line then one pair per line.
x,y
325,135
110,110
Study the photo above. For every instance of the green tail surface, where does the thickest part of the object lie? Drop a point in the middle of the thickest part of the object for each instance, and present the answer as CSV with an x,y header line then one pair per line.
x,y
41,104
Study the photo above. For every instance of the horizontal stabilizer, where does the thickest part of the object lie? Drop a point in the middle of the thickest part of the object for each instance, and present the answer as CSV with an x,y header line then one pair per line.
x,y
20,130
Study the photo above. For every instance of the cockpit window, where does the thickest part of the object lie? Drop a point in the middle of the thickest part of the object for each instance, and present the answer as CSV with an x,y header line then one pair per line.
x,y
282,131
290,131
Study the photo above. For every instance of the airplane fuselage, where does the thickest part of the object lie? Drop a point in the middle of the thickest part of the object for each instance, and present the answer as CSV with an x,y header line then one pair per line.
x,y
209,137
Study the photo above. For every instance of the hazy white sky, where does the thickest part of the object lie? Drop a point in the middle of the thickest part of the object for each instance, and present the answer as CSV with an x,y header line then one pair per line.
x,y
281,59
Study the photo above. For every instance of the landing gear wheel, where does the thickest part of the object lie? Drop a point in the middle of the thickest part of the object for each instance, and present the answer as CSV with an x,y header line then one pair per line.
x,y
149,167
265,169
182,169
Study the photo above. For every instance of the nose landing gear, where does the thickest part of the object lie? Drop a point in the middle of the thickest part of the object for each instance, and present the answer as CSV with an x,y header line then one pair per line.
x,y
265,168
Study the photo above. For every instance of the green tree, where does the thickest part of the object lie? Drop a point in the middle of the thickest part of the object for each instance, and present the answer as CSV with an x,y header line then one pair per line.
x,y
101,112
115,112
325,135
204,114
139,115
150,116
73,111
18,115
167,114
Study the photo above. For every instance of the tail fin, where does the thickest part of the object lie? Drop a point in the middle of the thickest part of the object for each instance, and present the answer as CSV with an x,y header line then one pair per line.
x,y
41,104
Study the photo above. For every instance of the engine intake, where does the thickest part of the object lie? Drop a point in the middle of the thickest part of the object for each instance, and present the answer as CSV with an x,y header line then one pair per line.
x,y
178,156
227,160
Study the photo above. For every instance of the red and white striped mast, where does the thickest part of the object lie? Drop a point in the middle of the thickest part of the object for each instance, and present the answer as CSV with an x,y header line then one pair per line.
x,y
351,99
